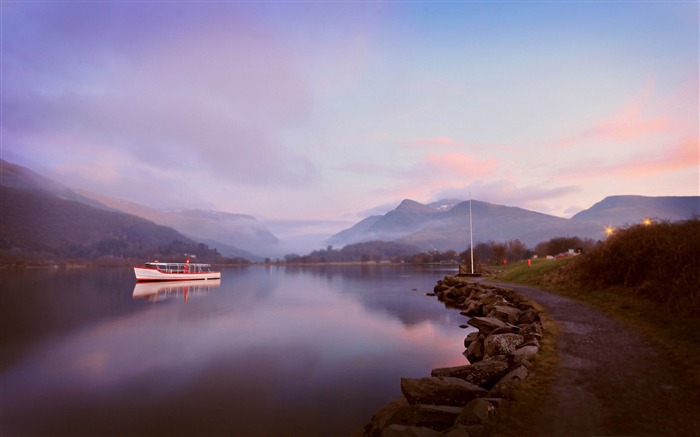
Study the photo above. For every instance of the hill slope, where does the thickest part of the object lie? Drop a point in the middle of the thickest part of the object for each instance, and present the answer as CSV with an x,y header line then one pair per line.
x,y
234,235
622,210
39,226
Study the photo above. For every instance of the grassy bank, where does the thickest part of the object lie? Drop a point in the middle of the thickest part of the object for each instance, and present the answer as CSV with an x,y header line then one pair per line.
x,y
645,276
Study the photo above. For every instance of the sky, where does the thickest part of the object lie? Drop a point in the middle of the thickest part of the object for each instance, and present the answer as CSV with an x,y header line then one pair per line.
x,y
324,112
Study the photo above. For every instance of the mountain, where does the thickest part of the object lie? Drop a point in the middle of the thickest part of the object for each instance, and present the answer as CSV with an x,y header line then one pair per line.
x,y
622,210
41,226
233,235
444,224
15,176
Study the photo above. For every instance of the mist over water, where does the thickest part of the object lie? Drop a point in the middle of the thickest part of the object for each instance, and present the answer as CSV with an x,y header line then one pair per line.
x,y
265,351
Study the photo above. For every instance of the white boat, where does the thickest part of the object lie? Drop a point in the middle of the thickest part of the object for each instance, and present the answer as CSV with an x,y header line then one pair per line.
x,y
187,271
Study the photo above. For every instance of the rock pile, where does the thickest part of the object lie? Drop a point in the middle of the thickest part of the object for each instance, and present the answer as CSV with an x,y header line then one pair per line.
x,y
460,401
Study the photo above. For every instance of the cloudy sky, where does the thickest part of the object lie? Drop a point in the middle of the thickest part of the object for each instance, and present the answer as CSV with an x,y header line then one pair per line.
x,y
327,110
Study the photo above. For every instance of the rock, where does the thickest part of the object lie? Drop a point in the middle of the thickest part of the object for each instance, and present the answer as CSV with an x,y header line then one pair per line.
x,y
473,309
409,431
504,387
466,431
472,336
476,412
523,354
437,417
507,313
475,352
383,417
483,373
490,298
508,329
502,344
440,287
439,391
486,324
457,431
530,341
528,316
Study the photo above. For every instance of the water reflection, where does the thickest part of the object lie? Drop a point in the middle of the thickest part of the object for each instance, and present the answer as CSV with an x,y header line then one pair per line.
x,y
270,352
154,292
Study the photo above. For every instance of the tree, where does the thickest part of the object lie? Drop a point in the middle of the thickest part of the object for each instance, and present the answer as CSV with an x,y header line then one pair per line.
x,y
516,250
499,250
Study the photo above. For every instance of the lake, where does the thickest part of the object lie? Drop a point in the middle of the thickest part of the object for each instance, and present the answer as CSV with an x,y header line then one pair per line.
x,y
266,351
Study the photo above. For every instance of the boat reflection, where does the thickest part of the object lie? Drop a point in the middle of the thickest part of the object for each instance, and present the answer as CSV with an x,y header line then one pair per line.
x,y
160,291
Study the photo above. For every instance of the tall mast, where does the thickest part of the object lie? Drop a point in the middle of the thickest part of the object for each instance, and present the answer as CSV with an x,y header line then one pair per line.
x,y
471,241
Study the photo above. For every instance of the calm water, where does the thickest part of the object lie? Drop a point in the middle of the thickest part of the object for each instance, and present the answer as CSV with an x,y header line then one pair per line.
x,y
265,351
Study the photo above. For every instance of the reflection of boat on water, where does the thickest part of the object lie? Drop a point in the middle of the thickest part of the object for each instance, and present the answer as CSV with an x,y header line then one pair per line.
x,y
157,271
155,291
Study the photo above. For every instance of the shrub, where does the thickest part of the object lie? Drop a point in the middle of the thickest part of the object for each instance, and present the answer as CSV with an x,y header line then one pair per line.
x,y
659,261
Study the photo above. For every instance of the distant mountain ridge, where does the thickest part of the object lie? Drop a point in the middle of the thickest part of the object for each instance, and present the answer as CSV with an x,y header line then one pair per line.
x,y
234,235
618,210
444,224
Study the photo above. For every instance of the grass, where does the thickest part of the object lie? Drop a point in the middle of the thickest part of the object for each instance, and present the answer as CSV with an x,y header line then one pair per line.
x,y
674,332
515,417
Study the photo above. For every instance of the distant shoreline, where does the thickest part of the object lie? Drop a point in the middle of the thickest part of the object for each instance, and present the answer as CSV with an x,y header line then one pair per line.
x,y
79,264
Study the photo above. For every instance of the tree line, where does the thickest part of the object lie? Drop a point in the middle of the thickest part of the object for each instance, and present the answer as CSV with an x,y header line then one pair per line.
x,y
485,253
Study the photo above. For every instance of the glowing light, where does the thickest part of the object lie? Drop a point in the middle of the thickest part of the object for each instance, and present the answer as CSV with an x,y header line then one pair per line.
x,y
647,221
609,230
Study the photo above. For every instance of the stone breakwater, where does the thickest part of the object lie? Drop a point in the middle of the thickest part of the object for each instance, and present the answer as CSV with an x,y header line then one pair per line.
x,y
461,401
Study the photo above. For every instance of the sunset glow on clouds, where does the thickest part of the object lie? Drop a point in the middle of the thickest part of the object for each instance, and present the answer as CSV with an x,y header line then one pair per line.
x,y
322,110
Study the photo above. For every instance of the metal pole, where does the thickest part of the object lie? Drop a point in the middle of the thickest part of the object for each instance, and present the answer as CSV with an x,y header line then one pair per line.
x,y
471,241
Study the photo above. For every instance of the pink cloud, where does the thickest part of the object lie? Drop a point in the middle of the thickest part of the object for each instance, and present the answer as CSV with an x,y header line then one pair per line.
x,y
685,154
629,123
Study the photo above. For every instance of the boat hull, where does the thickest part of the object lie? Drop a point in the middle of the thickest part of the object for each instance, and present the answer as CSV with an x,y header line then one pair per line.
x,y
144,274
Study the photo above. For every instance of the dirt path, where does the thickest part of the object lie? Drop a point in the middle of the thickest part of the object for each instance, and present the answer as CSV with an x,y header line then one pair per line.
x,y
611,381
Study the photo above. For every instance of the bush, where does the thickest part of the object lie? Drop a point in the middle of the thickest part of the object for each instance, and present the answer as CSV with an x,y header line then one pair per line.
x,y
658,261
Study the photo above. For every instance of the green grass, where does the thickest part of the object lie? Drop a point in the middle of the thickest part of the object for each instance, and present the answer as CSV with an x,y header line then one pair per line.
x,y
515,418
675,332
533,274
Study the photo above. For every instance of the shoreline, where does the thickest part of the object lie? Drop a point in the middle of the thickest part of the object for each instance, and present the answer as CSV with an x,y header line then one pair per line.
x,y
468,400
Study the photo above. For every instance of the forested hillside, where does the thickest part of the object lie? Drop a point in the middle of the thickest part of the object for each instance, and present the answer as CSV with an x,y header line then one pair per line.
x,y
37,226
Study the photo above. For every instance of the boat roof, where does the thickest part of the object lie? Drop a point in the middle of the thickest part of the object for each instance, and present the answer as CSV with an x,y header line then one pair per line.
x,y
157,263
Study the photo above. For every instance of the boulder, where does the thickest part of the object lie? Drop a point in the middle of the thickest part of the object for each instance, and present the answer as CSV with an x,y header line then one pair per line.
x,y
384,416
486,324
439,391
475,351
507,313
472,336
437,417
528,316
476,412
473,308
490,298
409,431
508,329
483,373
523,354
502,344
504,387
457,431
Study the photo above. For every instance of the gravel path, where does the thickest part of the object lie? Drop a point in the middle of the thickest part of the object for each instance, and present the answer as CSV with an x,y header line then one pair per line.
x,y
611,381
